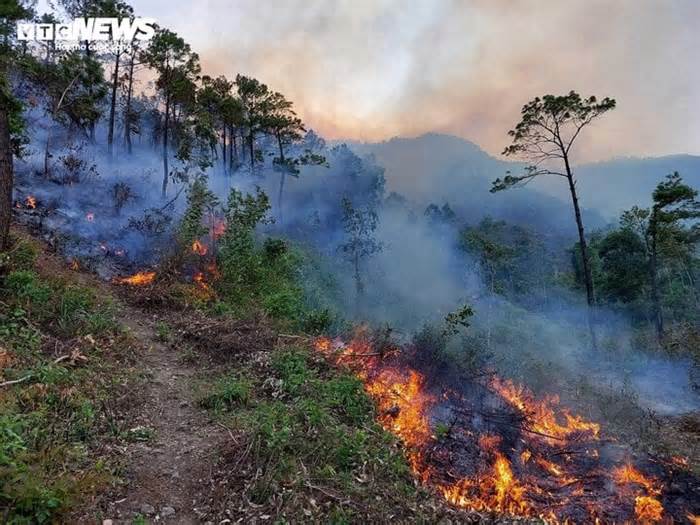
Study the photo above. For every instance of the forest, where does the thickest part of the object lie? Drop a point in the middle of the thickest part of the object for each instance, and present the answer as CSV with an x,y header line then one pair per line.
x,y
209,313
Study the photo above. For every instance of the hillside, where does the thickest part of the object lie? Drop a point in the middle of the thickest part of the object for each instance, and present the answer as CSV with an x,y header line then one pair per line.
x,y
114,410
441,166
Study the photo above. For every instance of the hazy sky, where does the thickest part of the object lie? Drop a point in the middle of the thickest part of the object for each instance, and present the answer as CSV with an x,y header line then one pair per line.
x,y
374,69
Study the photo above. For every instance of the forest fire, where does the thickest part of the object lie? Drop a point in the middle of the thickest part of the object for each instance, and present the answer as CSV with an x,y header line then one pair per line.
x,y
218,227
541,414
138,279
496,448
199,248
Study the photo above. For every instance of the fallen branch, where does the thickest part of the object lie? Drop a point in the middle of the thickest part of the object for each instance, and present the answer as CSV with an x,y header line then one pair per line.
x,y
15,381
73,355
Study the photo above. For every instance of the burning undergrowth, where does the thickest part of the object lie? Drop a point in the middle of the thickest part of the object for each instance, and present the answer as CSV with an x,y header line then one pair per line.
x,y
488,444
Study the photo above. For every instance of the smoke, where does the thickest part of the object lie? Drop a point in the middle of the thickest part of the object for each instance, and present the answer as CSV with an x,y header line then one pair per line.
x,y
374,70
419,276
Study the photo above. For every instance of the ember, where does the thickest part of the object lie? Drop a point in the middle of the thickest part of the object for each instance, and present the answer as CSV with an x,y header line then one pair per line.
x,y
199,248
530,457
139,279
542,415
648,509
629,475
218,227
199,279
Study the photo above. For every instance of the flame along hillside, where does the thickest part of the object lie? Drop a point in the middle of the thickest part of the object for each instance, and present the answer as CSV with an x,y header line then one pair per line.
x,y
491,446
486,444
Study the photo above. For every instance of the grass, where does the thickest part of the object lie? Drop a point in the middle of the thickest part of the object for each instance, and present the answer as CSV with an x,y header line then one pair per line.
x,y
49,422
312,449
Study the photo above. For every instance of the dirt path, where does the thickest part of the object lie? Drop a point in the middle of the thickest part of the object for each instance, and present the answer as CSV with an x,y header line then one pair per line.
x,y
167,474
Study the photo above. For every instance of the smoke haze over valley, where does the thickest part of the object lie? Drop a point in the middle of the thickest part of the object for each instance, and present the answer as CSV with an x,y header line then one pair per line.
x,y
284,245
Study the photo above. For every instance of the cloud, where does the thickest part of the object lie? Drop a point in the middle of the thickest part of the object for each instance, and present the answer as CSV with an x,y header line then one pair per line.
x,y
371,70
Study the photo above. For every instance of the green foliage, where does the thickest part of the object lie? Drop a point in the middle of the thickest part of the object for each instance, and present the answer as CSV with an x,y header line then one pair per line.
x,y
199,200
547,130
25,286
623,266
648,263
317,322
68,309
266,276
227,392
21,256
17,332
48,420
163,332
305,425
458,320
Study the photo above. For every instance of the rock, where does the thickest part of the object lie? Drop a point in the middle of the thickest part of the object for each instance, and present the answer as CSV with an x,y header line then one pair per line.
x,y
147,509
167,511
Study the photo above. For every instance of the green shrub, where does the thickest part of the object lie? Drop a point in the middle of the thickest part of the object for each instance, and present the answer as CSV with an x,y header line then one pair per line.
x,y
26,287
227,393
317,322
292,370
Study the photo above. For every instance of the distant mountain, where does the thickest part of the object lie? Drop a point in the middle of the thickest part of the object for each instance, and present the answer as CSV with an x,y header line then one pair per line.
x,y
619,184
436,168
443,168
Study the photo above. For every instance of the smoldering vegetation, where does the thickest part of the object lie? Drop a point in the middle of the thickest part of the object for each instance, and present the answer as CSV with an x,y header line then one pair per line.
x,y
107,214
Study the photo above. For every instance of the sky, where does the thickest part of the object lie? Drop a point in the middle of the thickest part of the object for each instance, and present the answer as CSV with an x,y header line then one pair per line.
x,y
373,69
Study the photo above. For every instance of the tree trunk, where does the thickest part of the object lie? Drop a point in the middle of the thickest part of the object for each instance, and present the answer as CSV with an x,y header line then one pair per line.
x,y
6,180
91,125
46,152
282,177
583,245
252,153
113,106
657,314
231,148
223,149
127,113
359,288
165,145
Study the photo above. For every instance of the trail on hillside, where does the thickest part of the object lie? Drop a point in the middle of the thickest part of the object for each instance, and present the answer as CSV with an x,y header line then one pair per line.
x,y
167,473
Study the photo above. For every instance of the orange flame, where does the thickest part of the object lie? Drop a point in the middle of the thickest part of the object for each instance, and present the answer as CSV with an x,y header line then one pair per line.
x,y
30,202
199,248
199,279
627,474
404,408
680,461
542,414
648,509
74,265
499,491
138,279
218,228
402,404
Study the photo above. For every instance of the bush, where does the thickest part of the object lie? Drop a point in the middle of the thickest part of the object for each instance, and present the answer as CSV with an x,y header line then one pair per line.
x,y
227,393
